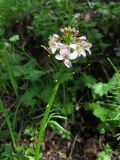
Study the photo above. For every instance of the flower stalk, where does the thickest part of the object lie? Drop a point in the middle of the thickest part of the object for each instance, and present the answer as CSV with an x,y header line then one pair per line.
x,y
46,115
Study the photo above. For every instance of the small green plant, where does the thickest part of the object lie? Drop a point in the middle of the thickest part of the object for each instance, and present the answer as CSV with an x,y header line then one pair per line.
x,y
106,154
65,134
106,106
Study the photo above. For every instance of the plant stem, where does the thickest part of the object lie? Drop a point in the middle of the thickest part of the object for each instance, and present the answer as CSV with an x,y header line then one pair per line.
x,y
15,116
8,123
46,115
116,70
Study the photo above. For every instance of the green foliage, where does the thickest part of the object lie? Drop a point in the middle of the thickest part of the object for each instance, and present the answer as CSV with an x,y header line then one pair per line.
x,y
14,38
12,69
64,133
29,96
54,13
15,9
87,80
117,52
6,152
56,127
99,111
67,109
106,108
105,154
7,70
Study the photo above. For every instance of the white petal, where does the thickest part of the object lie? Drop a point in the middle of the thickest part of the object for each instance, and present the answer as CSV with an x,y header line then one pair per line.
x,y
83,38
53,49
73,55
67,63
86,45
82,52
89,45
60,45
55,36
88,51
74,46
65,51
59,57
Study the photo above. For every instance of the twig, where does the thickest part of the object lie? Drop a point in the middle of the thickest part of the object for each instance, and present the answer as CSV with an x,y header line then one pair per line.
x,y
72,147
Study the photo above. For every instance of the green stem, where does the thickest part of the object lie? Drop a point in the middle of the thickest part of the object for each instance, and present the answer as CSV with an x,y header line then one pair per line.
x,y
46,115
113,65
15,116
8,123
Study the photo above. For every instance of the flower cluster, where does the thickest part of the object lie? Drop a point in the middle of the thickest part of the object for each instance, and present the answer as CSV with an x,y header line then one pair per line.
x,y
68,46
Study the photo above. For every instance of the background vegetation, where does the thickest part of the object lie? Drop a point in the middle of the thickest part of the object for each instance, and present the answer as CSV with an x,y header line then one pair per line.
x,y
89,95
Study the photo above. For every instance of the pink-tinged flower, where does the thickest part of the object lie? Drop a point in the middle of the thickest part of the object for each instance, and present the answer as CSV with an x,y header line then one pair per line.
x,y
86,46
82,38
68,46
52,43
78,49
60,45
81,47
66,56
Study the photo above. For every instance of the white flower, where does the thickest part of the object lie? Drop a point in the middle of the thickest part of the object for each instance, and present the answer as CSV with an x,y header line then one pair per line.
x,y
86,46
68,46
78,49
82,38
60,45
52,43
81,47
53,48
66,56
56,36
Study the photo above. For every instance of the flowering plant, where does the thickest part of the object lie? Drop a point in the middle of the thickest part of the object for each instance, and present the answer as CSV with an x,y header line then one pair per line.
x,y
68,46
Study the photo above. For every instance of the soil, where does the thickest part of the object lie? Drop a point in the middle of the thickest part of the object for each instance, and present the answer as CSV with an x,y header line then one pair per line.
x,y
77,148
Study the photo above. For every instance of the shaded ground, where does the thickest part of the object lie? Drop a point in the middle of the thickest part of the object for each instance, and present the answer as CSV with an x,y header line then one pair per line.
x,y
84,143
79,148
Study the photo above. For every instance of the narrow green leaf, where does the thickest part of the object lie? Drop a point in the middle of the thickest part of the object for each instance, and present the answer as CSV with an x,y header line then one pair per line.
x,y
57,124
